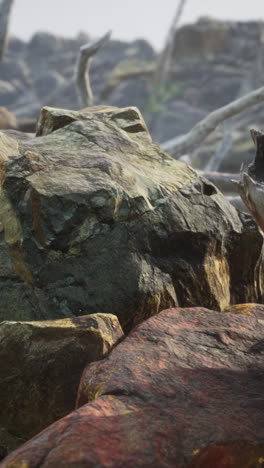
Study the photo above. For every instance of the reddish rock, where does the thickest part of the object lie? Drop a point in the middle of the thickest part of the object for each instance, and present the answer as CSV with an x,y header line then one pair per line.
x,y
239,454
180,381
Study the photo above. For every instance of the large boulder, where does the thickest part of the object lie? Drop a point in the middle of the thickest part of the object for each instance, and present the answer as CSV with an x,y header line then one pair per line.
x,y
97,218
181,380
41,366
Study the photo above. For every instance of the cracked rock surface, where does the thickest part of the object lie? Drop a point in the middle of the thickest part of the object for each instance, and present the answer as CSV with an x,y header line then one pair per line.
x,y
95,217
178,382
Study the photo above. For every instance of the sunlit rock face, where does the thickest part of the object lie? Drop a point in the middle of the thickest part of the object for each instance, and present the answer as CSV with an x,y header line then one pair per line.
x,y
41,365
95,217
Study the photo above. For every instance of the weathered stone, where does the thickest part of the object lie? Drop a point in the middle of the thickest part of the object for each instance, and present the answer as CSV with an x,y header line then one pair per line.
x,y
97,218
239,454
181,380
41,365
204,39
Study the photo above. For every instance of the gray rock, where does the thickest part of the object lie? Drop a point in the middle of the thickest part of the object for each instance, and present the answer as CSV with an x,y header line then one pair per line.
x,y
95,217
12,69
8,93
130,92
169,123
48,83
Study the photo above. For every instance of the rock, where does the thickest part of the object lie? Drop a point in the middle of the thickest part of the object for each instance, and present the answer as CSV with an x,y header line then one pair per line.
x,y
130,92
27,106
210,39
16,46
169,122
65,95
41,365
204,39
239,454
7,119
181,380
8,442
48,83
13,69
97,218
129,72
43,44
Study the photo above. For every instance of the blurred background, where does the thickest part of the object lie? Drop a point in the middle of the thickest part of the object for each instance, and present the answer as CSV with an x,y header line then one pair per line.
x,y
175,60
127,20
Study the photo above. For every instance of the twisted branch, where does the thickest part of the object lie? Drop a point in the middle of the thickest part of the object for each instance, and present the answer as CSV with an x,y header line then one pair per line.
x,y
185,143
86,54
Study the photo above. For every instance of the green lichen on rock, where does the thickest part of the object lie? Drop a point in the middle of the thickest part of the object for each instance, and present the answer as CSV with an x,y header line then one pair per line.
x,y
108,222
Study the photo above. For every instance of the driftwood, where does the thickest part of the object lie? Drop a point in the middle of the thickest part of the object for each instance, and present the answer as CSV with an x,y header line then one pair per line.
x,y
251,184
86,54
185,143
5,11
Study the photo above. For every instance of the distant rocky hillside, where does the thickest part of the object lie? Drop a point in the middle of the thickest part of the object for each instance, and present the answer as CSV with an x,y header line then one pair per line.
x,y
214,62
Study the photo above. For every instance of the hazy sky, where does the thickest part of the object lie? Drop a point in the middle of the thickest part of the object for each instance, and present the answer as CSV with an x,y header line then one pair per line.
x,y
128,19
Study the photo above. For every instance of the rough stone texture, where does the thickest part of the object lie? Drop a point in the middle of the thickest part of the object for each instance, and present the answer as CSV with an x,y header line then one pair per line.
x,y
96,218
239,454
181,380
41,365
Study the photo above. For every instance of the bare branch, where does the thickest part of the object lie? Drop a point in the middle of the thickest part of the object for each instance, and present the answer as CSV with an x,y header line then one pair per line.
x,y
251,184
203,128
221,151
86,54
5,11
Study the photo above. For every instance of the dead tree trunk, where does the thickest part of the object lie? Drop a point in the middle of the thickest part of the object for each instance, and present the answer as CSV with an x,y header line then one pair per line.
x,y
5,11
251,184
86,54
